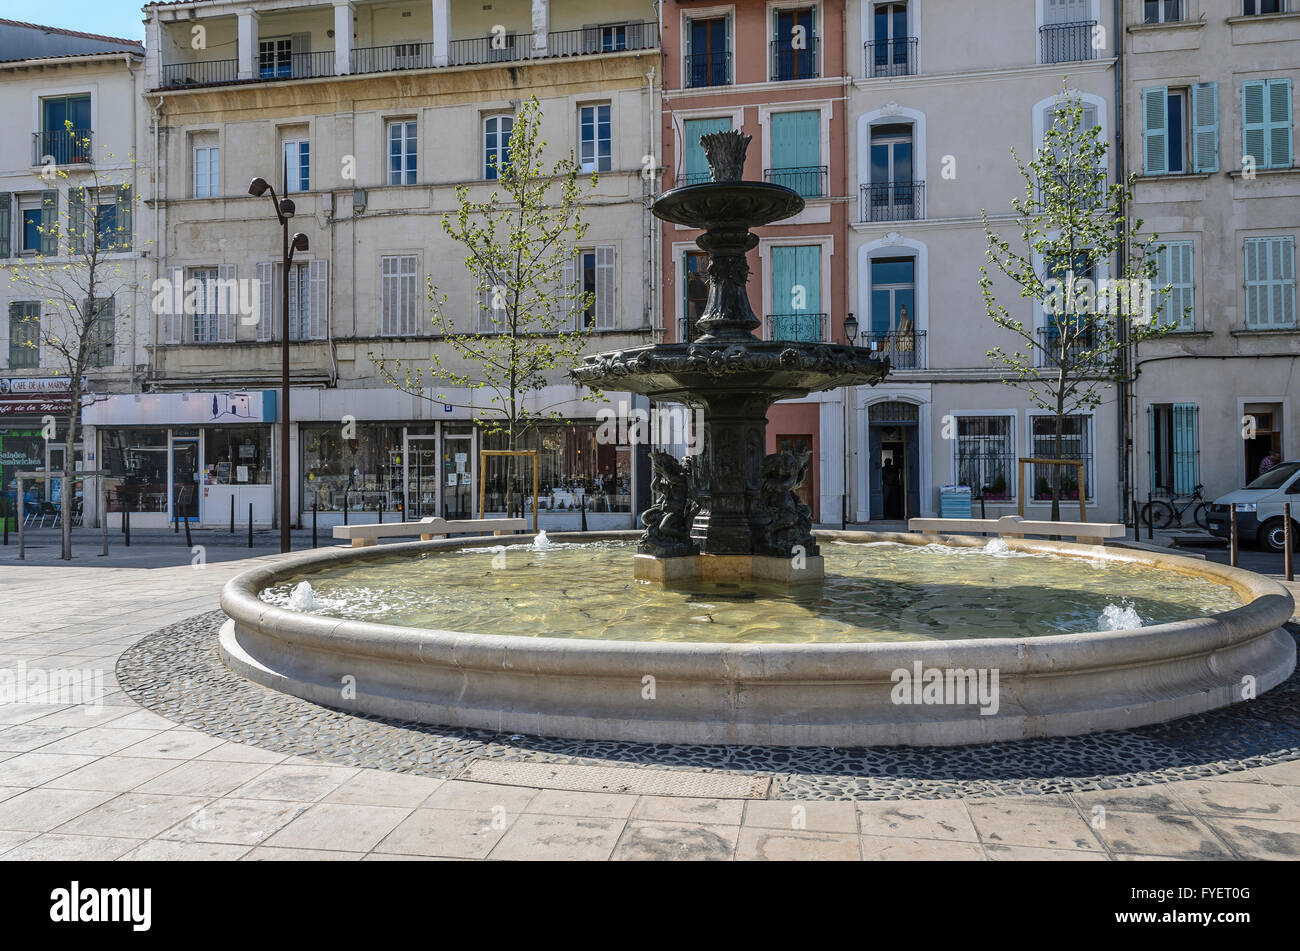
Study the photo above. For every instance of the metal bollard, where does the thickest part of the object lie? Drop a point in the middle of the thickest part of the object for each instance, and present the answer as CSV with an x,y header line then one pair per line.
x,y
6,519
381,510
232,515
345,506
1151,524
1232,534
126,525
250,524
1288,556
189,542
1137,525
315,500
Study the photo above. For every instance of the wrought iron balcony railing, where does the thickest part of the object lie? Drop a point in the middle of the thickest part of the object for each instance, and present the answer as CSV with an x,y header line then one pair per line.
x,y
210,73
1077,349
691,178
790,63
1067,42
801,327
298,66
891,201
808,180
905,349
890,57
64,146
708,69
382,59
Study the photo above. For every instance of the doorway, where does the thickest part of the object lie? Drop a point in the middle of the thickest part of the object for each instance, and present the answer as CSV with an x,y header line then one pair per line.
x,y
458,465
185,479
799,445
1267,438
894,461
422,476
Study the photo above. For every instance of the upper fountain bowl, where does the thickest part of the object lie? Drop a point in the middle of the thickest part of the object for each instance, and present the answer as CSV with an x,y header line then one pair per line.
x,y
718,205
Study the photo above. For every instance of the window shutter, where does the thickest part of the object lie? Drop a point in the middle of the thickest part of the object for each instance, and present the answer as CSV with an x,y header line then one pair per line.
x,y
170,317
1185,449
1205,127
605,287
1282,281
1254,141
1151,449
1155,133
49,221
317,298
77,220
1270,283
568,298
696,166
266,283
229,314
731,59
1279,123
6,224
122,239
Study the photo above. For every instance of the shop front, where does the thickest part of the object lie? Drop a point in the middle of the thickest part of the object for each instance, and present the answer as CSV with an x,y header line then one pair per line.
x,y
27,406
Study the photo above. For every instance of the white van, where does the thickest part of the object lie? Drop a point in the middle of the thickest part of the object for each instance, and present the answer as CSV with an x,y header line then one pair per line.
x,y
1259,508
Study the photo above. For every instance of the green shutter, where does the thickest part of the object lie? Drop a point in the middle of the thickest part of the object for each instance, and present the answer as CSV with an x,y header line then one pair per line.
x,y
1185,448
1205,127
122,240
1155,131
1151,450
1279,123
77,220
696,164
796,267
808,275
50,222
6,223
1175,269
796,144
1270,283
1254,140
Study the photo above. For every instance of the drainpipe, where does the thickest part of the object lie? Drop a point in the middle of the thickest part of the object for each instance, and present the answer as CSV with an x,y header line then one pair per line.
x,y
650,249
1126,384
160,239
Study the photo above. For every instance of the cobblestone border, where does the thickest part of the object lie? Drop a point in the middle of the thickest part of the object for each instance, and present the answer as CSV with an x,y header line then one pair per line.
x,y
177,673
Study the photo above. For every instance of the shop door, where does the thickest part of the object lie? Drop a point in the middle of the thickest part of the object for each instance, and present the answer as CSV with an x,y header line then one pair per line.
x,y
185,479
458,499
799,445
422,476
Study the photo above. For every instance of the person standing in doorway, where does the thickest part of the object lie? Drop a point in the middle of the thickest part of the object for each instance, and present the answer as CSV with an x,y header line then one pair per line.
x,y
1269,461
891,482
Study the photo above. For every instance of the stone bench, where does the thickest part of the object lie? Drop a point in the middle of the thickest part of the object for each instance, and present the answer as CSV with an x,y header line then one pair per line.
x,y
1013,526
362,536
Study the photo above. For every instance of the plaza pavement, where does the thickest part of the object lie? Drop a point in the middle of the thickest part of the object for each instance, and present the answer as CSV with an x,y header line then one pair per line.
x,y
125,783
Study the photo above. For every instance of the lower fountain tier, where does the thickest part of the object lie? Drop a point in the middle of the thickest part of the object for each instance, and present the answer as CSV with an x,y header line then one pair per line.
x,y
729,569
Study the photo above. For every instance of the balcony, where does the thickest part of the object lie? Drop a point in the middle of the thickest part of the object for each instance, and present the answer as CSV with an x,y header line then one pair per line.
x,y
1076,350
708,69
517,47
691,178
891,201
65,146
809,180
789,63
1066,42
906,349
799,328
890,57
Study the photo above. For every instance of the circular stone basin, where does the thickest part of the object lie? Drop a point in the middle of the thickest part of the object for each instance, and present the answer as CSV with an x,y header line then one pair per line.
x,y
912,640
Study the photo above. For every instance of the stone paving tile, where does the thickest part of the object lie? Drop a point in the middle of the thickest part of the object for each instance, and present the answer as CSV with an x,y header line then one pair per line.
x,y
201,778
1024,853
295,783
340,826
233,752
930,819
11,839
1156,834
144,720
1026,821
39,810
563,838
455,833
133,814
1254,838
802,816
682,809
676,841
28,737
8,792
372,787
564,802
1138,799
113,773
879,848
54,847
35,769
1255,800
96,741
265,854
236,821
162,850
784,845
80,717
173,744
482,797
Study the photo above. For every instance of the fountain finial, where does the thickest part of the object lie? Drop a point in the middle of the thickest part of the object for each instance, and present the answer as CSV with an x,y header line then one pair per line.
x,y
725,152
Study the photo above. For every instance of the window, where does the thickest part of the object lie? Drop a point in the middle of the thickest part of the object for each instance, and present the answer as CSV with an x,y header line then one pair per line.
x,y
1066,33
1174,267
32,225
238,455
1076,443
1270,283
1254,7
891,52
695,292
796,152
594,138
794,44
1162,11
103,333
708,52
399,294
796,294
297,165
1266,122
106,227
402,150
986,456
893,297
696,165
205,319
1172,446
65,130
892,195
275,57
207,171
496,144
308,300
24,334
596,273
1180,129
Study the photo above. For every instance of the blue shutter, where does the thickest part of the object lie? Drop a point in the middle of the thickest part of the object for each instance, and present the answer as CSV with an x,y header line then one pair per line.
x,y
696,166
50,221
796,144
1155,130
1279,123
1151,450
1205,127
1254,120
1185,448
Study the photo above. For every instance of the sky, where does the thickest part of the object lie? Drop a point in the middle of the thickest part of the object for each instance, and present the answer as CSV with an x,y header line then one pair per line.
x,y
108,17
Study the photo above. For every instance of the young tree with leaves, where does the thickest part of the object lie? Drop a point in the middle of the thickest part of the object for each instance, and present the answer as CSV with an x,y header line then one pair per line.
x,y
533,320
78,276
1071,223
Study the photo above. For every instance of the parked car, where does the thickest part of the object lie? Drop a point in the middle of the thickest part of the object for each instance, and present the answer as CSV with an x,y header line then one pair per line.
x,y
1259,508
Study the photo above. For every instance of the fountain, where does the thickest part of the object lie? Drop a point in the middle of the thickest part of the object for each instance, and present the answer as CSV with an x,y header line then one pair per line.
x,y
732,513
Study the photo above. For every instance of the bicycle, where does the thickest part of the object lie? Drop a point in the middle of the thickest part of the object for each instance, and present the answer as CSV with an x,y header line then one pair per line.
x,y
1161,513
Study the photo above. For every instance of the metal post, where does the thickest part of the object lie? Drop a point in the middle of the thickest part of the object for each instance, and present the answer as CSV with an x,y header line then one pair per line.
x,y
250,524
102,496
314,501
1288,565
22,552
1232,535
126,525
1151,524
189,542
345,506
583,503
284,391
1137,525
381,510
232,514
6,517
176,513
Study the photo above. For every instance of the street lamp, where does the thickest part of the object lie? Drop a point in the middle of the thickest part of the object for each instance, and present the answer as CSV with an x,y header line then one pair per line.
x,y
851,335
284,209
